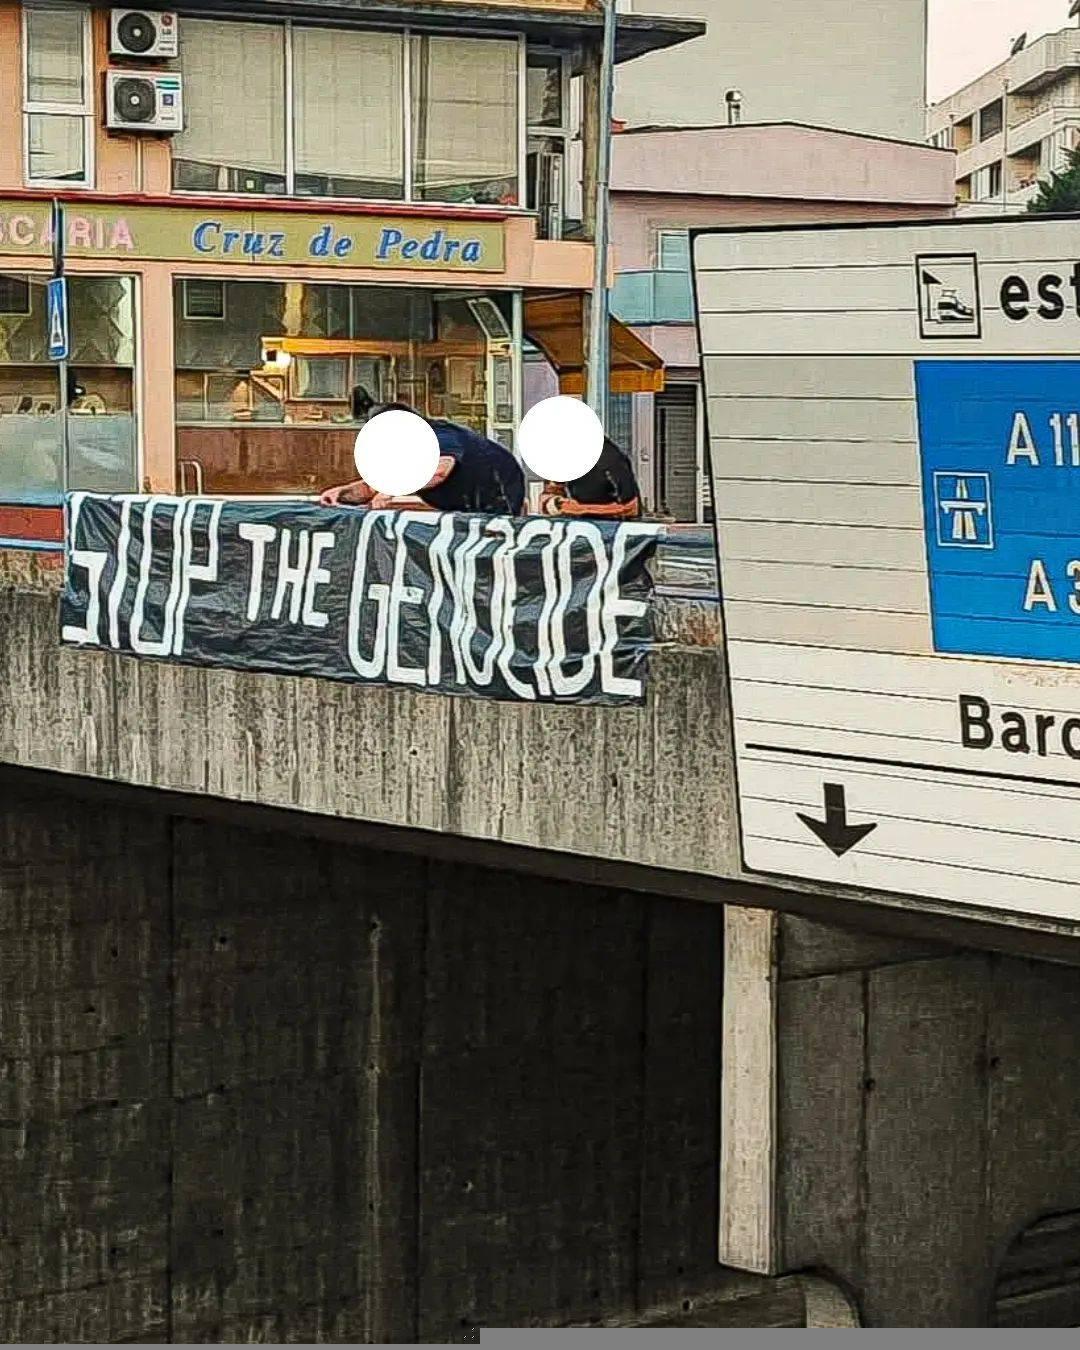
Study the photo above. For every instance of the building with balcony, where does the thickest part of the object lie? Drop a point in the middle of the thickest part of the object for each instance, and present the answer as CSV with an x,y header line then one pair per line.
x,y
666,181
1014,125
265,216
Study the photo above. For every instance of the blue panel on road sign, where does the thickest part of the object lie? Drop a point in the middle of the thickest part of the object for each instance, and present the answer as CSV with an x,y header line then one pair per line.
x,y
57,319
1000,451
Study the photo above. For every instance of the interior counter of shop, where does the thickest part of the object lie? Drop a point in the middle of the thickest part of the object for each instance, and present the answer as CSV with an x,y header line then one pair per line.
x,y
238,458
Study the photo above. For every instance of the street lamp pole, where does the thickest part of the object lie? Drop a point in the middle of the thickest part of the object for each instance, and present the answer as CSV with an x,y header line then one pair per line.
x,y
58,226
599,363
1005,146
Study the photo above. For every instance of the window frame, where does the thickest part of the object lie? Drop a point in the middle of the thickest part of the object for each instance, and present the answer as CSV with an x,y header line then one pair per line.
x,y
409,197
292,384
535,131
540,128
36,108
24,278
204,318
998,106
682,233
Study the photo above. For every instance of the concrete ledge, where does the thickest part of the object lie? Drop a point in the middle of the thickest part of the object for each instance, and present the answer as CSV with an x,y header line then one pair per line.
x,y
650,786
739,1301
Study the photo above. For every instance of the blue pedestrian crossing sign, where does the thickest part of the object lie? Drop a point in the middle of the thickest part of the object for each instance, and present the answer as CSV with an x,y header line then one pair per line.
x,y
57,318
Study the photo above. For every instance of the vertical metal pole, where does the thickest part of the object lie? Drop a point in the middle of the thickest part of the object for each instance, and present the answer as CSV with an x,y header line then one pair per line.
x,y
1005,147
290,115
58,226
599,338
517,329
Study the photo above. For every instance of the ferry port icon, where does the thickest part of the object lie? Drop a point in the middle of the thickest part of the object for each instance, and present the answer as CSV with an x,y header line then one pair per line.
x,y
948,295
963,510
943,303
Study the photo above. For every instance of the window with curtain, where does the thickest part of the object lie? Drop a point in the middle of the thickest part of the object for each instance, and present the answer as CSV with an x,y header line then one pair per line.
x,y
55,70
344,93
465,120
234,96
57,97
347,102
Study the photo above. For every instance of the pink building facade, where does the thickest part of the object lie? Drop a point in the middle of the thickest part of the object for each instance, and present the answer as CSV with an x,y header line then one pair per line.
x,y
668,181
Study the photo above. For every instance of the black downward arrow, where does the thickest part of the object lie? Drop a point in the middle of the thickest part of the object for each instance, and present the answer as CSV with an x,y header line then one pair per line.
x,y
834,831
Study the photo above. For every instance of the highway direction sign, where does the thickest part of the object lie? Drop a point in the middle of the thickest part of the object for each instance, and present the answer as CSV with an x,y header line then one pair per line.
x,y
894,428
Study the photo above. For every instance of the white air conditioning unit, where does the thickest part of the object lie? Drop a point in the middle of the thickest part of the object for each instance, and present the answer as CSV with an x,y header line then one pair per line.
x,y
143,32
144,100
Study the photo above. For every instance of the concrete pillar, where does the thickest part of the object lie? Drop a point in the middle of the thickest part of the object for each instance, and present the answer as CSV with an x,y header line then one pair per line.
x,y
894,1114
157,381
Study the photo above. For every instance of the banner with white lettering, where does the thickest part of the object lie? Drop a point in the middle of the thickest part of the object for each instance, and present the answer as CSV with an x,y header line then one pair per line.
x,y
532,609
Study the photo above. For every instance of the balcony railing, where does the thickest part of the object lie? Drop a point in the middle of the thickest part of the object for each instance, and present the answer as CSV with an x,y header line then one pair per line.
x,y
644,298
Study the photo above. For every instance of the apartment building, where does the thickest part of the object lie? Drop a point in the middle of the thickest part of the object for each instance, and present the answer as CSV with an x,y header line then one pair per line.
x,y
1015,124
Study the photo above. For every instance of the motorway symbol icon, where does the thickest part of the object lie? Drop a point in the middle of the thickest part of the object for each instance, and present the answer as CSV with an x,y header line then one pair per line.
x,y
834,831
964,517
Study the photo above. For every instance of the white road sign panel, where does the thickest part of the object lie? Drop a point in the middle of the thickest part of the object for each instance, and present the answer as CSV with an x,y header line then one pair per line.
x,y
894,428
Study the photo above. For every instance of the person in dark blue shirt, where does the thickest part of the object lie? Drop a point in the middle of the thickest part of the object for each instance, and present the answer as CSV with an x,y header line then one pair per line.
x,y
473,474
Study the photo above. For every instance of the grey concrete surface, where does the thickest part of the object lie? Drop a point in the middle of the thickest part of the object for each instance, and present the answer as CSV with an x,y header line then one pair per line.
x,y
648,788
919,1141
651,786
252,1089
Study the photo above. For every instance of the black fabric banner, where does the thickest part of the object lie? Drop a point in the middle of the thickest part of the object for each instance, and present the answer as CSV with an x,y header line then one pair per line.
x,y
535,609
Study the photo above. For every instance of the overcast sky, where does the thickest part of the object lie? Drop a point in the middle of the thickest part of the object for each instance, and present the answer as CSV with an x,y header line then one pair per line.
x,y
967,37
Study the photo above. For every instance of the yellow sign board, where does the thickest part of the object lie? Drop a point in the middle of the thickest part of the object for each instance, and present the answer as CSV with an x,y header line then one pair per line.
x,y
210,234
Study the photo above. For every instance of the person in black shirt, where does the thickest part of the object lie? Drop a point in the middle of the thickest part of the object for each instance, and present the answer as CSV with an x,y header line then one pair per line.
x,y
609,491
473,474
362,403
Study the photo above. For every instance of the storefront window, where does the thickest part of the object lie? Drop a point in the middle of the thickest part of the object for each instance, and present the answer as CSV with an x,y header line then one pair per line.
x,y
268,399
101,453
465,120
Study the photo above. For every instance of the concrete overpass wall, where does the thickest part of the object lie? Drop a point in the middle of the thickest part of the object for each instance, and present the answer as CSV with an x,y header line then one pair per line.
x,y
649,787
267,1079
254,1085
642,794
256,1088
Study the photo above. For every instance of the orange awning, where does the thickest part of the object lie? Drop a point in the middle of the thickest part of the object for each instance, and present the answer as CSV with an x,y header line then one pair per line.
x,y
554,323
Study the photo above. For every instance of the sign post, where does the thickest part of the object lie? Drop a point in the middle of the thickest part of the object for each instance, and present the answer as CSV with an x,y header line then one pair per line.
x,y
59,331
896,475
